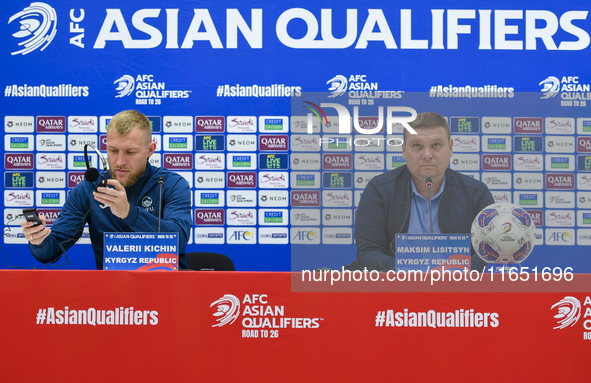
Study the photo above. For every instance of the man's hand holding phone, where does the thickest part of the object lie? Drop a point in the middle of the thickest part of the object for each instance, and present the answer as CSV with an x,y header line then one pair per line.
x,y
34,228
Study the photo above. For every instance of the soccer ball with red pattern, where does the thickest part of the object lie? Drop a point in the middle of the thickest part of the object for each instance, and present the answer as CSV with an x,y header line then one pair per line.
x,y
503,233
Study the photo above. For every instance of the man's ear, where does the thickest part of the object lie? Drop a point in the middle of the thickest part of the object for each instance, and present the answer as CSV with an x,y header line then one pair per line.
x,y
151,149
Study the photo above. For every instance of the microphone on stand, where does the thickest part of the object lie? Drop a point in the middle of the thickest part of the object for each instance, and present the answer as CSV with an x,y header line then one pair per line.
x,y
160,183
429,183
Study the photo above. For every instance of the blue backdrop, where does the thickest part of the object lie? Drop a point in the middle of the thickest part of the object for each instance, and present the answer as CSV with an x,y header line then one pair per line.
x,y
248,70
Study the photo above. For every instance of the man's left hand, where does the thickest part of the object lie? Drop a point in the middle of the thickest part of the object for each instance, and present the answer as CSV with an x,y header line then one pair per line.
x,y
116,198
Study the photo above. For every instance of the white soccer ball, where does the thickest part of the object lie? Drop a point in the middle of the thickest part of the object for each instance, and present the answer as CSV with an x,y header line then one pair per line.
x,y
503,233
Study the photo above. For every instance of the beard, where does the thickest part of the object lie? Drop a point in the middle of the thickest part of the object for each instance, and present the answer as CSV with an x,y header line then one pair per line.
x,y
133,177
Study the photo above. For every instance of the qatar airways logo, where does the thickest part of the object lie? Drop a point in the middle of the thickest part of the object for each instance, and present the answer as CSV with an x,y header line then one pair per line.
x,y
529,125
178,161
566,181
337,161
275,142
496,162
584,144
74,178
209,217
18,161
209,124
51,124
242,179
305,198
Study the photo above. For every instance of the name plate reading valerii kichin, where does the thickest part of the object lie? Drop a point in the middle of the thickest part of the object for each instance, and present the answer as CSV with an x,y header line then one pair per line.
x,y
141,251
427,252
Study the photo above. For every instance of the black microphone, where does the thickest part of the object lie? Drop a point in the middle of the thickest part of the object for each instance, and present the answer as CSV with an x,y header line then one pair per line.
x,y
160,183
429,182
353,266
378,266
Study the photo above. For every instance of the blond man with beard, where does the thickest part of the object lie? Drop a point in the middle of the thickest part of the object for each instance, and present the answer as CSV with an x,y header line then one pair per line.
x,y
129,203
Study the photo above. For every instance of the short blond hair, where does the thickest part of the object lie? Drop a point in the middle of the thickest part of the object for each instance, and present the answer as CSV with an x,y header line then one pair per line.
x,y
429,120
124,122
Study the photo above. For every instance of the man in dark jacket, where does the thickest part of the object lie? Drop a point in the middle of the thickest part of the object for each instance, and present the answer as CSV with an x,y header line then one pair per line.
x,y
397,201
129,204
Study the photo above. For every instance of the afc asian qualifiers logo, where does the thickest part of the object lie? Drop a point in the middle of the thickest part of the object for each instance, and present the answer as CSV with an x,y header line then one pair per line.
x,y
338,86
228,309
569,312
37,24
550,87
125,85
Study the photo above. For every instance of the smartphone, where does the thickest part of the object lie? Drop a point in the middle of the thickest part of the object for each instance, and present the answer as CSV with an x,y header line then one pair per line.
x,y
31,215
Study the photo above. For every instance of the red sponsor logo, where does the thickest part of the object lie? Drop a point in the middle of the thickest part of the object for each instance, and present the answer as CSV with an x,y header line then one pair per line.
x,y
103,142
337,161
18,161
369,123
241,179
209,217
560,181
304,198
51,124
50,215
584,144
527,125
74,178
178,161
496,162
273,142
210,124
537,217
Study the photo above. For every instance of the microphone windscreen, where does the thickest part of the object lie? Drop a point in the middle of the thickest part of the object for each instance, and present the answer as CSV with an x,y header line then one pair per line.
x,y
91,174
377,265
428,181
354,266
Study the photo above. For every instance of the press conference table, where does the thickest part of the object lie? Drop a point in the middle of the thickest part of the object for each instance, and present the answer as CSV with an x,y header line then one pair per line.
x,y
87,326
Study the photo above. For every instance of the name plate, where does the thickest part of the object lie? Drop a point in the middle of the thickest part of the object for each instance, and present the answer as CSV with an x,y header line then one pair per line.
x,y
141,251
425,252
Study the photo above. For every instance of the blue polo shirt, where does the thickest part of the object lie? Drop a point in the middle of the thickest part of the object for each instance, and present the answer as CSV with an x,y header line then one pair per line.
x,y
419,211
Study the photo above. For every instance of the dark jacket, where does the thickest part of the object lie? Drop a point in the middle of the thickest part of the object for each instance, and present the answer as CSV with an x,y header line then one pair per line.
x,y
384,211
143,197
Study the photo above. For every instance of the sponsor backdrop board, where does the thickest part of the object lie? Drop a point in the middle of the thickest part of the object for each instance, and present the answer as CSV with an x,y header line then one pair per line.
x,y
225,88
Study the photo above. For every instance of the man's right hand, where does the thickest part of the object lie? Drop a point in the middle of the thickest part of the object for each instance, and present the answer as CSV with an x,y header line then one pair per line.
x,y
36,234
